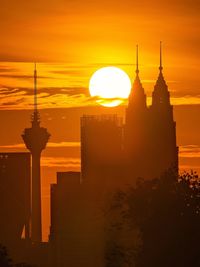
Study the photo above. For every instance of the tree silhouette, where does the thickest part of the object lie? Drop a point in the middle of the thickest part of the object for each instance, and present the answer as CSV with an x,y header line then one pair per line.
x,y
166,212
23,265
5,261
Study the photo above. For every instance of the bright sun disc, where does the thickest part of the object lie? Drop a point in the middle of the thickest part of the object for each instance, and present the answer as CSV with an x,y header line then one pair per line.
x,y
110,85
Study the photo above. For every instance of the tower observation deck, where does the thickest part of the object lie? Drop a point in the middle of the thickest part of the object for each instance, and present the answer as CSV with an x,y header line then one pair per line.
x,y
35,139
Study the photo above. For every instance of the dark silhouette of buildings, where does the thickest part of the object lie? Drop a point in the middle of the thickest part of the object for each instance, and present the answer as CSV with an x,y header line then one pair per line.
x,y
145,146
136,129
35,139
77,223
163,128
150,132
15,207
101,148
113,156
67,221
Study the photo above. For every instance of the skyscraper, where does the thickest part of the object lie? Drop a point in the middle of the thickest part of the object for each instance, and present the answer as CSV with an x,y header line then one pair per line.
x,y
113,156
15,207
150,132
35,139
101,147
163,127
136,139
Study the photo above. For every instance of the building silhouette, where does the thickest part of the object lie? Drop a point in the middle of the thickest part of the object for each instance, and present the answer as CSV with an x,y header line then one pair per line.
x,y
101,148
15,202
150,132
163,127
35,139
136,135
77,236
67,240
113,156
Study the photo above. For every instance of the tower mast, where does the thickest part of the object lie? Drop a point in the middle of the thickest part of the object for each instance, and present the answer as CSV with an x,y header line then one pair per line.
x,y
35,139
35,88
137,64
161,66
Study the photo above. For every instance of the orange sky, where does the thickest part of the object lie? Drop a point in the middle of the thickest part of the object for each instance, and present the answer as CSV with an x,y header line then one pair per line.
x,y
70,40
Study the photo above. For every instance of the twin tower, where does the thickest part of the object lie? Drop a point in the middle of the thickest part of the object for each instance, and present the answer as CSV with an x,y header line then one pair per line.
x,y
150,132
144,146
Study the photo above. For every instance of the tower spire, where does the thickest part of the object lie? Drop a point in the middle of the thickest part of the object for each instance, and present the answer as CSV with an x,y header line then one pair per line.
x,y
161,66
36,115
35,139
137,64
137,95
160,94
35,87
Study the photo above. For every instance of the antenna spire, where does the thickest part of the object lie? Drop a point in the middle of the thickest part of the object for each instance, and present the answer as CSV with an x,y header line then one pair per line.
x,y
161,67
35,88
35,116
137,65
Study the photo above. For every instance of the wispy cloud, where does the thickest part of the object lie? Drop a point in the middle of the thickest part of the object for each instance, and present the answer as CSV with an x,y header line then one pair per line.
x,y
50,145
189,151
67,163
22,100
66,86
6,69
18,76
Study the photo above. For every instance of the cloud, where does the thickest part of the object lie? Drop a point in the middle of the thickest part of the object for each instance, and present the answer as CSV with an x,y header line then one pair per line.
x,y
56,91
15,98
50,90
67,72
26,77
68,162
189,151
64,144
64,97
49,145
6,69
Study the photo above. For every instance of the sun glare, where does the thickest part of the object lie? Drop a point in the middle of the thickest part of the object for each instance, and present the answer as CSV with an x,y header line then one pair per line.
x,y
110,85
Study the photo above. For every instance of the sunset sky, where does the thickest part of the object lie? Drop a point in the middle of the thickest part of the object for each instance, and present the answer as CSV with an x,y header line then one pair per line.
x,y
70,40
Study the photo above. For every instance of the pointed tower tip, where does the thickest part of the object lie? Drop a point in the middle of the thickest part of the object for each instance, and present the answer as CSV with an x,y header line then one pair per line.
x,y
137,63
161,66
35,87
35,116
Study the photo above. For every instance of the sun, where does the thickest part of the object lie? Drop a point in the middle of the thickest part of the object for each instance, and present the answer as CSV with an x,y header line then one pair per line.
x,y
110,85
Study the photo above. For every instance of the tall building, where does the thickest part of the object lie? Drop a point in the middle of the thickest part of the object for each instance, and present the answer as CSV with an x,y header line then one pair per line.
x,y
113,155
35,139
163,128
150,132
136,137
77,236
68,234
15,200
101,148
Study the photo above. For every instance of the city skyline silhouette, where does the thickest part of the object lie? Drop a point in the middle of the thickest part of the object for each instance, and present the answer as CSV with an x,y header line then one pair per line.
x,y
51,164
83,183
114,153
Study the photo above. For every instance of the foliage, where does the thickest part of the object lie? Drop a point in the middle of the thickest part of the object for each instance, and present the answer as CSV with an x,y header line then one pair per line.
x,y
166,212
5,261
22,265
